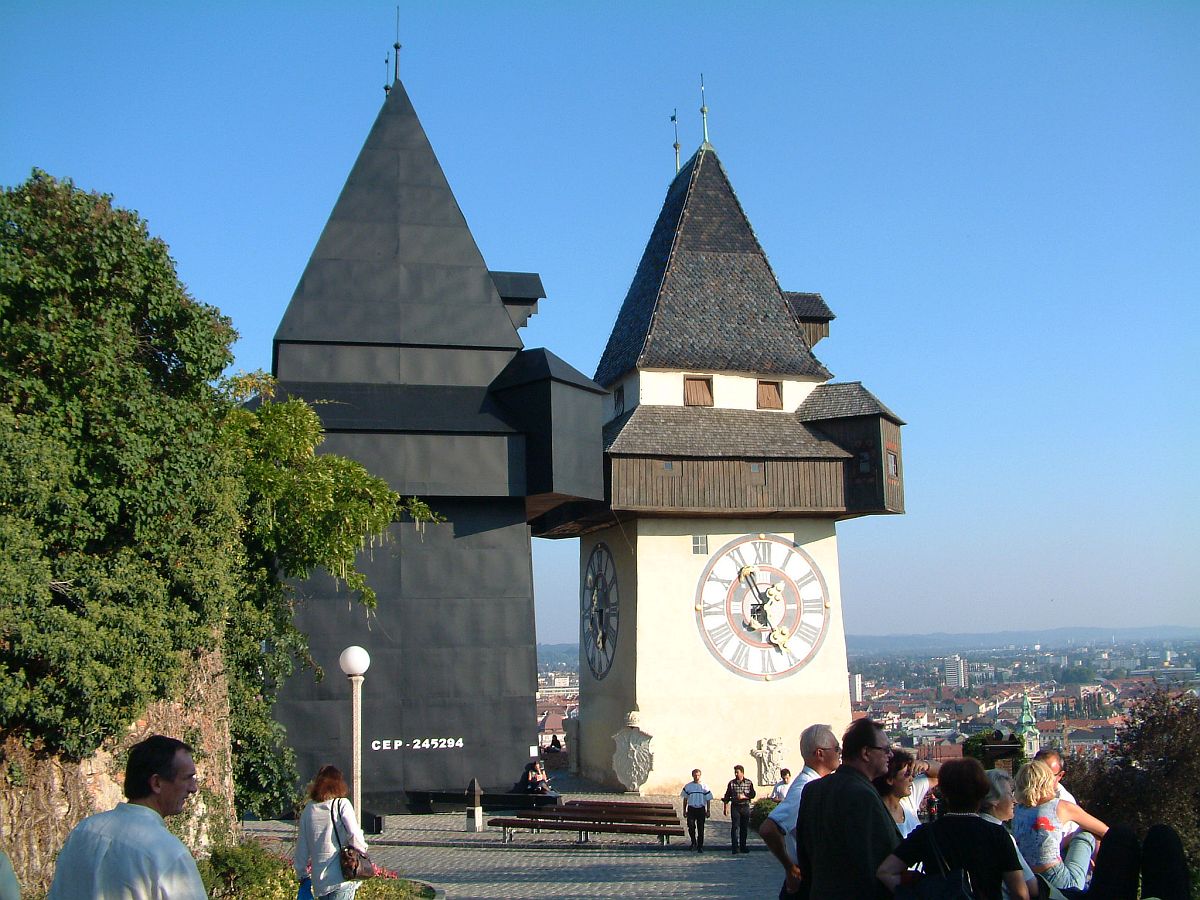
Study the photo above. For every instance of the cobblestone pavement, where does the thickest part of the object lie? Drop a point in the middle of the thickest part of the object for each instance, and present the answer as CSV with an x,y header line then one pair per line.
x,y
437,849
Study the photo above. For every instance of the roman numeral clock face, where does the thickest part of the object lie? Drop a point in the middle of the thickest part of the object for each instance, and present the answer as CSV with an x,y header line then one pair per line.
x,y
598,610
762,607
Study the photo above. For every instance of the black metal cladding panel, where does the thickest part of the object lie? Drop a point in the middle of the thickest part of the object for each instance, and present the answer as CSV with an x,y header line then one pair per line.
x,y
396,407
439,465
709,432
578,448
366,364
633,321
396,262
540,364
517,286
848,399
445,665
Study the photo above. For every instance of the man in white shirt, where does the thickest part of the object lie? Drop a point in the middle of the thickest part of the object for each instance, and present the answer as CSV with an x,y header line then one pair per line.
x,y
127,852
821,752
781,786
696,797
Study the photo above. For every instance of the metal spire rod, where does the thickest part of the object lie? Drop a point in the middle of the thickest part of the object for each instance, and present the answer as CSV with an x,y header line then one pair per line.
x,y
703,108
675,122
387,64
396,46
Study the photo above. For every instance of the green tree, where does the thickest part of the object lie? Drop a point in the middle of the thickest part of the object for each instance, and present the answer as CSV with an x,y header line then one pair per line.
x,y
1152,773
148,514
120,534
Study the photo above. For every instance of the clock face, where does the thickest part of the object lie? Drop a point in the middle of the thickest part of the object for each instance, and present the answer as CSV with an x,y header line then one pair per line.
x,y
762,607
599,604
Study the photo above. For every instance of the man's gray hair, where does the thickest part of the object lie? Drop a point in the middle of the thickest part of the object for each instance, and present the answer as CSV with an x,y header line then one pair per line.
x,y
815,736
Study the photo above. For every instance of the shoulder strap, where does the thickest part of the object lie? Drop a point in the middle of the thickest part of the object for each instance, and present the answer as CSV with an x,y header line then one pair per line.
x,y
333,818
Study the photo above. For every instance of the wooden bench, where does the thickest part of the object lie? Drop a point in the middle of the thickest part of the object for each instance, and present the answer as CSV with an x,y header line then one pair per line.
x,y
595,817
617,804
635,817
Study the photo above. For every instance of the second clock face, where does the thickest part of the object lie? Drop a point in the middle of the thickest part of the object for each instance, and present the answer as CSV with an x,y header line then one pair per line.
x,y
599,608
762,607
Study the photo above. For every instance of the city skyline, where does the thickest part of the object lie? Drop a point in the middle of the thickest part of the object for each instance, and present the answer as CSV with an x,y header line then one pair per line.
x,y
998,204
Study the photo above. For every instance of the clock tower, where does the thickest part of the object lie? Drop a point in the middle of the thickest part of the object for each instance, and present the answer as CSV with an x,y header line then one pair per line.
x,y
711,628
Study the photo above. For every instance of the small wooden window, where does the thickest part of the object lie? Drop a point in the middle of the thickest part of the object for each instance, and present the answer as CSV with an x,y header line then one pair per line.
x,y
697,392
893,465
700,544
758,473
669,468
770,395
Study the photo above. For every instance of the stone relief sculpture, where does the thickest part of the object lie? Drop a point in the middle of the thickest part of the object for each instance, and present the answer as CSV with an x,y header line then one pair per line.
x,y
769,754
633,759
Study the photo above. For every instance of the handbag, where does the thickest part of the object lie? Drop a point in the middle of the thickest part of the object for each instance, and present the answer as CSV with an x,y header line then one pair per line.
x,y
945,884
356,865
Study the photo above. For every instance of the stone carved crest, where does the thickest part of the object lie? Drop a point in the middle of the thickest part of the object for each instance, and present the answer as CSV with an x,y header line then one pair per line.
x,y
769,754
633,758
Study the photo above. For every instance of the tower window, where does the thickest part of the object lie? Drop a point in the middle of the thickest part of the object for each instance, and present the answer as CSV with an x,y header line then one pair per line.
x,y
697,392
619,400
770,395
893,465
700,544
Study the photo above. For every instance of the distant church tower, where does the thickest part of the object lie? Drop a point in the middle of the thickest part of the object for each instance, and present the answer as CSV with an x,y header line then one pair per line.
x,y
710,600
409,346
1027,730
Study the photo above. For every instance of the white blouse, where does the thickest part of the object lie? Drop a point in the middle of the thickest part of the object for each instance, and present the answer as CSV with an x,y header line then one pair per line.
x,y
318,844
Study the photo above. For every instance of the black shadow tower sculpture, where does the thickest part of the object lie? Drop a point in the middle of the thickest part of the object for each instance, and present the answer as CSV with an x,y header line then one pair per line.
x,y
409,346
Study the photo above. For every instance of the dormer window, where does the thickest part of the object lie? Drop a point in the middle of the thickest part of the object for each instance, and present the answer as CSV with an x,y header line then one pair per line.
x,y
697,392
770,395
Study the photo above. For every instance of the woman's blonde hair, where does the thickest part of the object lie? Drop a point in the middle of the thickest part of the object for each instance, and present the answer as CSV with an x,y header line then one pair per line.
x,y
1035,783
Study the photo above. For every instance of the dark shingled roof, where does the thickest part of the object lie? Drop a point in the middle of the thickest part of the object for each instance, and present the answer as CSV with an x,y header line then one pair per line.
x,y
396,263
709,432
809,306
704,296
840,401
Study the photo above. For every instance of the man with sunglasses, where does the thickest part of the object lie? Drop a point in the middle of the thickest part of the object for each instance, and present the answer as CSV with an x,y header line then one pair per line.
x,y
821,753
843,830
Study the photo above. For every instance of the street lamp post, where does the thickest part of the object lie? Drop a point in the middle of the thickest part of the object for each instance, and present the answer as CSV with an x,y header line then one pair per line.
x,y
354,662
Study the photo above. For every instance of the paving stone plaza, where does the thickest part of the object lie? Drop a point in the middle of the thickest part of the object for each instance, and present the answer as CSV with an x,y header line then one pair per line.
x,y
436,848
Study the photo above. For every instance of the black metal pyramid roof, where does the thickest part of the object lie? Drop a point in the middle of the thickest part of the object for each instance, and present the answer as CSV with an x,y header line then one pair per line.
x,y
396,263
704,296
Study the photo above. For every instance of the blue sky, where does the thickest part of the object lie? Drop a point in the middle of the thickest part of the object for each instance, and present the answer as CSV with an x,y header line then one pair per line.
x,y
1000,202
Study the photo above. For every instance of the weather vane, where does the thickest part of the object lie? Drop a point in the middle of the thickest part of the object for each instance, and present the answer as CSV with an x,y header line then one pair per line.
x,y
703,109
675,122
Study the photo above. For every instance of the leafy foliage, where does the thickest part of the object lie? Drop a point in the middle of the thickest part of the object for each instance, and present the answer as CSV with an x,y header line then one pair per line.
x,y
147,510
1153,772
247,870
120,532
760,810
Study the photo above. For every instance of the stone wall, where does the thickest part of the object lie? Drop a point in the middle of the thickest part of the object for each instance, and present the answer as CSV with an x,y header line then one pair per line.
x,y
42,796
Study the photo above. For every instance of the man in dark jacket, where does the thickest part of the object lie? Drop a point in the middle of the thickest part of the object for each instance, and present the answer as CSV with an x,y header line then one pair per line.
x,y
843,830
738,794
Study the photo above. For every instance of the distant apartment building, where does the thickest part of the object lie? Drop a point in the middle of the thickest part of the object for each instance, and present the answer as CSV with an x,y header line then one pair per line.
x,y
954,671
856,688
